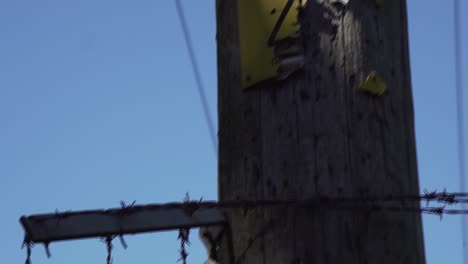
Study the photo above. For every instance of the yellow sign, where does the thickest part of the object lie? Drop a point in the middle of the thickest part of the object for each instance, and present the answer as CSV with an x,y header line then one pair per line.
x,y
257,20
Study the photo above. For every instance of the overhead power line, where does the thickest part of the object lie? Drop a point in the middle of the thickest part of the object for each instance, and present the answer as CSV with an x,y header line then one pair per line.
x,y
200,87
460,119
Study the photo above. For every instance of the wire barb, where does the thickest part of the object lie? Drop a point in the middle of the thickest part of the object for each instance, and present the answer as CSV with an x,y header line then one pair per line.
x,y
184,233
184,240
109,247
122,241
47,250
28,244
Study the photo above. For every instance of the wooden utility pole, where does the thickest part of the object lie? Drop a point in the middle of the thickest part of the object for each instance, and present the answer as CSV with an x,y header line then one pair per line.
x,y
316,133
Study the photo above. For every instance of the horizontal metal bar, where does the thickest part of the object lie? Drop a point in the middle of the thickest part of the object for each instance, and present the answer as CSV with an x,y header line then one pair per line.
x,y
103,223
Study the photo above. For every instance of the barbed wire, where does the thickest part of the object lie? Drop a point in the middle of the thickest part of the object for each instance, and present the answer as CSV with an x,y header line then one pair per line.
x,y
184,232
109,247
47,250
366,204
190,206
363,202
184,240
28,244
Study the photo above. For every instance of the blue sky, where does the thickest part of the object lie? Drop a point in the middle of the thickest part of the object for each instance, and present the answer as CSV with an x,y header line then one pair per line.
x,y
98,104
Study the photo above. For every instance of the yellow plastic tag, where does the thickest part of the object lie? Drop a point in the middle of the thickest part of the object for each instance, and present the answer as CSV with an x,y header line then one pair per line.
x,y
373,84
257,19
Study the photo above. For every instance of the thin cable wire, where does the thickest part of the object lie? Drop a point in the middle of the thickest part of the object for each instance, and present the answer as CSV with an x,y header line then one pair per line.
x,y
201,89
460,120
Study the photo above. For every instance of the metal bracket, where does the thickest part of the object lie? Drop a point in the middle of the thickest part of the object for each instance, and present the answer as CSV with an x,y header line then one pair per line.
x,y
279,22
46,228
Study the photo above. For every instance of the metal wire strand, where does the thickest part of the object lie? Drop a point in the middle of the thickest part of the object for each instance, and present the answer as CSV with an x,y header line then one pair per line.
x,y
28,254
460,118
184,240
198,79
28,244
109,247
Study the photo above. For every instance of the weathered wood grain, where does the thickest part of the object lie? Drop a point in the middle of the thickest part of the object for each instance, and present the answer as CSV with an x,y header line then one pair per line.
x,y
318,134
